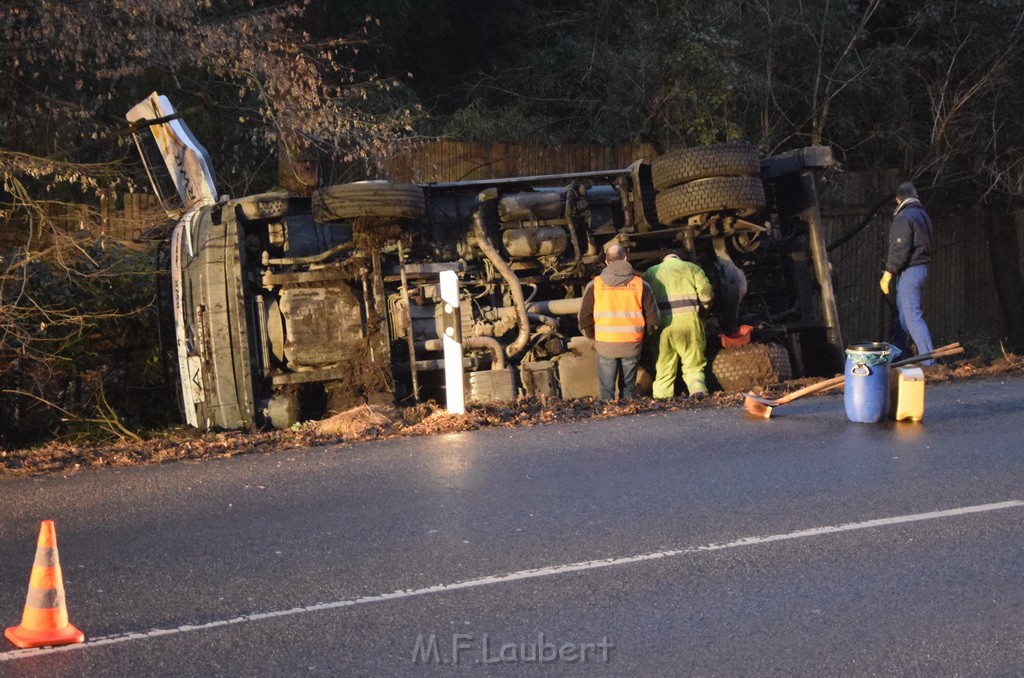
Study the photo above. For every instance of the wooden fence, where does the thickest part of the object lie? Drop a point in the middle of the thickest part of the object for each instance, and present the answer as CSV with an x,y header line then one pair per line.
x,y
437,161
119,216
960,302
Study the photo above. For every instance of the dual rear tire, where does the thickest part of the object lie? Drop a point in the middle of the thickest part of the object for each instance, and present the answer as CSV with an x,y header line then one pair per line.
x,y
708,179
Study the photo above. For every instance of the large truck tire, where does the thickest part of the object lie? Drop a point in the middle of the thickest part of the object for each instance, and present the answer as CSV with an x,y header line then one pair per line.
x,y
742,195
739,159
369,199
751,366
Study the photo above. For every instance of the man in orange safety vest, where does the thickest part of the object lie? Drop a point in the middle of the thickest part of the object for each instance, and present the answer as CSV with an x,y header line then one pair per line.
x,y
618,309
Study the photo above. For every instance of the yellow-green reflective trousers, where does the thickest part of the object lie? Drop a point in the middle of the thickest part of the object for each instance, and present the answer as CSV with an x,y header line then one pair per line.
x,y
680,344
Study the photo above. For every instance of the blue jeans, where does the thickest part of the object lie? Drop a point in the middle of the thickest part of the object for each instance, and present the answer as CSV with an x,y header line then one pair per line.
x,y
909,322
608,370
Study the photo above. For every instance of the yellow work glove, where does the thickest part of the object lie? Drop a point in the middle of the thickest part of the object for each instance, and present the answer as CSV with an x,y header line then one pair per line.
x,y
884,282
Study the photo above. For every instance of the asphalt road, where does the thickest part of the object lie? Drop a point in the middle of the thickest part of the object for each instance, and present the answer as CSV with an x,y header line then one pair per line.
x,y
689,543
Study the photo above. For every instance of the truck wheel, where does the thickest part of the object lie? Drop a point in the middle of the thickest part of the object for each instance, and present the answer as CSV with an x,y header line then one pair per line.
x,y
342,202
743,195
677,167
750,366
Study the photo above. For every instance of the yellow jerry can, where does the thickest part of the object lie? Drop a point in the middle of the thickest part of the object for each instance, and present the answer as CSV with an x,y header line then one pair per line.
x,y
906,393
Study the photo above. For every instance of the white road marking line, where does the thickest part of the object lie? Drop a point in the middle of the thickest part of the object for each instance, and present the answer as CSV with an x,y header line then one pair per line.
x,y
517,576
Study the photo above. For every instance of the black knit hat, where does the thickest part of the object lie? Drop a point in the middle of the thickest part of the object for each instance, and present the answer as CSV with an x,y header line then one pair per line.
x,y
906,190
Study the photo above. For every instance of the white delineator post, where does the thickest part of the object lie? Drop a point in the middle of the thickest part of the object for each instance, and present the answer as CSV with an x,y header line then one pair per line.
x,y
452,340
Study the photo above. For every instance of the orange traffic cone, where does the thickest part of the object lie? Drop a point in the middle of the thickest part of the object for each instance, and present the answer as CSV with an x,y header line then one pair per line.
x,y
45,620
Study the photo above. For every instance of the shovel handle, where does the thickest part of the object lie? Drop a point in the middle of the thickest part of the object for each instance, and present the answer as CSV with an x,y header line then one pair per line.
x,y
941,352
813,388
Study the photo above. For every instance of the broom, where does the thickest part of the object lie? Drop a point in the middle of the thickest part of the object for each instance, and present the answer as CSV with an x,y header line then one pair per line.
x,y
762,407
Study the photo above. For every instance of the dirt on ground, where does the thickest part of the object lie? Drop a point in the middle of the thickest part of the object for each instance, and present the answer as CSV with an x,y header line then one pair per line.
x,y
377,422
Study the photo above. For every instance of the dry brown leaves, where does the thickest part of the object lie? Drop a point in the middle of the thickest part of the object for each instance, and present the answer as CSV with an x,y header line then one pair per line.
x,y
365,423
362,421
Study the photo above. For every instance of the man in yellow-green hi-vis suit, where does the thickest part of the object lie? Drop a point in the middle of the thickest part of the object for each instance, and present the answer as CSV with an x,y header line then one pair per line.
x,y
681,289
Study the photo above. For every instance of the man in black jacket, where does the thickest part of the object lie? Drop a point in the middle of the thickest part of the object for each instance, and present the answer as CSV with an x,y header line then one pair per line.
x,y
910,251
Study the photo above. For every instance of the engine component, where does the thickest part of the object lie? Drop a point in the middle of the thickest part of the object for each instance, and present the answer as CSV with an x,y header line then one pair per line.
x,y
321,323
282,409
540,379
492,385
533,206
545,241
484,200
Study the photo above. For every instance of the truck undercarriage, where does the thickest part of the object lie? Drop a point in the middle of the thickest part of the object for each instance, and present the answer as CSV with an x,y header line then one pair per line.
x,y
288,307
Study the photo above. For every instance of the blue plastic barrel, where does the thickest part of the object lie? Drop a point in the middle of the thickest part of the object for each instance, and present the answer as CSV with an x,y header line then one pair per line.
x,y
866,390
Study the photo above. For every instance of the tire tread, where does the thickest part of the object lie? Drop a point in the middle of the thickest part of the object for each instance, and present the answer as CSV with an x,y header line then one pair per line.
x,y
737,159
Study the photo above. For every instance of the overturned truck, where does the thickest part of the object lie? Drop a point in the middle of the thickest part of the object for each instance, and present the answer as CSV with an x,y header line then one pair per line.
x,y
287,307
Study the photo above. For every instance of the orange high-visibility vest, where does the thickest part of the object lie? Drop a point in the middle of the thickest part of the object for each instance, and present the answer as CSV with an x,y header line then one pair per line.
x,y
619,311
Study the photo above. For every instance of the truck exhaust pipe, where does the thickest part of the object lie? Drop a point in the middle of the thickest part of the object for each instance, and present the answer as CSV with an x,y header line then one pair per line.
x,y
487,200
